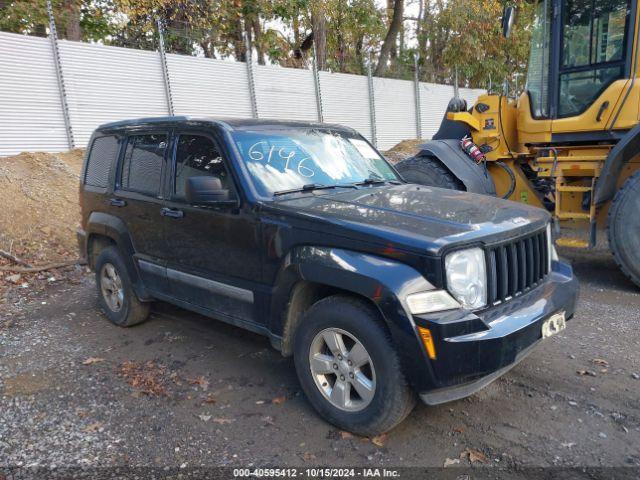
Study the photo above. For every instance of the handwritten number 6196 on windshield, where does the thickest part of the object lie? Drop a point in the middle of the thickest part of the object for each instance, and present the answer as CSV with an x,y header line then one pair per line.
x,y
280,155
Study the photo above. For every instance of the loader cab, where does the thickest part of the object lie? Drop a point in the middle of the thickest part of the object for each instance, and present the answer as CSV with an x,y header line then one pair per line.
x,y
580,63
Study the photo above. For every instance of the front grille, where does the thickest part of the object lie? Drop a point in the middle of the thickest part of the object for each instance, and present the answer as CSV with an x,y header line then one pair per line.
x,y
517,266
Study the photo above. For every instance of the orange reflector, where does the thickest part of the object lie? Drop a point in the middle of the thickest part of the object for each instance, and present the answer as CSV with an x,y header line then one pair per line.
x,y
427,341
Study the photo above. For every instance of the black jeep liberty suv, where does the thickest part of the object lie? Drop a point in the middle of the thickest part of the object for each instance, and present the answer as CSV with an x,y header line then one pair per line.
x,y
381,290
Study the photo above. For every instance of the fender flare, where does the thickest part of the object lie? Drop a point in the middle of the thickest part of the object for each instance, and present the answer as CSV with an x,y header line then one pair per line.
x,y
110,226
475,178
627,148
383,281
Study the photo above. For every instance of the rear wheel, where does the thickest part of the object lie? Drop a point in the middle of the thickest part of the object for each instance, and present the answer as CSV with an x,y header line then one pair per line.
x,y
624,228
348,367
428,170
115,291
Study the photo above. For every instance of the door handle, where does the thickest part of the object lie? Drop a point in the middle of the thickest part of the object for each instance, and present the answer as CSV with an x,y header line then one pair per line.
x,y
603,107
116,202
170,212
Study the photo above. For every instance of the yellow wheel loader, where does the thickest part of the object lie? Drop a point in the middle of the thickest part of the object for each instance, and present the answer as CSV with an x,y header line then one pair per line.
x,y
571,142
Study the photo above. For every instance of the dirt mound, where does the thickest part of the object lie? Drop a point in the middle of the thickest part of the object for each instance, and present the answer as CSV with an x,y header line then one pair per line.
x,y
404,149
40,211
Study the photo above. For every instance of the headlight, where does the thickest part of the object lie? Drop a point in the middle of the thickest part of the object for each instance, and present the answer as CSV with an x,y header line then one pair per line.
x,y
467,277
553,255
431,301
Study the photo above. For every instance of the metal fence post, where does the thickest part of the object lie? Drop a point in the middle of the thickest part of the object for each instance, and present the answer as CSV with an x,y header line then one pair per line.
x,y
416,83
372,104
316,83
53,35
250,78
165,68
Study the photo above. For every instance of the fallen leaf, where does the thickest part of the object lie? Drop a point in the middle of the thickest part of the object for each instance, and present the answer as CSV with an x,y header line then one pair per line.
x,y
92,360
450,461
344,435
94,427
222,421
307,456
379,440
600,361
210,398
149,378
473,456
458,429
202,382
278,400
586,373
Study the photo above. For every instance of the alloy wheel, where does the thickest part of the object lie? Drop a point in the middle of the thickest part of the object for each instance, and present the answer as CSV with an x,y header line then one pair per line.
x,y
342,369
111,287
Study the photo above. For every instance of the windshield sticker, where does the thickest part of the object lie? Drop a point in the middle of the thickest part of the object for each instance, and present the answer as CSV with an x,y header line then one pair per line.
x,y
365,149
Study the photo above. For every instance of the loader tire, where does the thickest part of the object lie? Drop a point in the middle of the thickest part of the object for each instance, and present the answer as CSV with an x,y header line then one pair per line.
x,y
624,228
428,170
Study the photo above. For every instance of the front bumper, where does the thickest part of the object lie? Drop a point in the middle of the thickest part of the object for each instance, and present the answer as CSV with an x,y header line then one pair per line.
x,y
473,349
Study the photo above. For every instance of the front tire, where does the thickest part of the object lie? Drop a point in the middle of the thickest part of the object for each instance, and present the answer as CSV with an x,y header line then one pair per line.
x,y
624,228
348,367
115,291
428,170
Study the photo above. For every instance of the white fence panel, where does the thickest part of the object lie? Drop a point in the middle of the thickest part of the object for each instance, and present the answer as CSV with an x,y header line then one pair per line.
x,y
207,87
345,100
285,93
434,99
30,110
395,111
106,84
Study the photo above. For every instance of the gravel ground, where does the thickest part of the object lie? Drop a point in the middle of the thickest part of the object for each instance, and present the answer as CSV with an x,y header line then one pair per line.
x,y
184,391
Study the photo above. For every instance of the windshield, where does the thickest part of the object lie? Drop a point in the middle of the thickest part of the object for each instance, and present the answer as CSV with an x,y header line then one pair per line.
x,y
283,160
538,69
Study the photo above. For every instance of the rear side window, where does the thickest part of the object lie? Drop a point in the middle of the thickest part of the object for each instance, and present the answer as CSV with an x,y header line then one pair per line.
x,y
101,156
142,163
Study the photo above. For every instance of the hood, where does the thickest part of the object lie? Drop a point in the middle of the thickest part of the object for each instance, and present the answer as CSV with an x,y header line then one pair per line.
x,y
419,217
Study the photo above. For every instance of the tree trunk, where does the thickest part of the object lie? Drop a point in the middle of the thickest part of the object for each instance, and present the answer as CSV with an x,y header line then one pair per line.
x,y
390,39
257,35
393,54
420,37
319,27
239,49
72,30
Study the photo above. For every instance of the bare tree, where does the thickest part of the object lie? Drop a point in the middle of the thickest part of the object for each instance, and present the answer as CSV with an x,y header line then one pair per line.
x,y
392,35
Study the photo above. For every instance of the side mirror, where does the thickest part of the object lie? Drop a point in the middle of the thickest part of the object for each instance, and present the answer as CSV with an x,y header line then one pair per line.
x,y
508,19
205,191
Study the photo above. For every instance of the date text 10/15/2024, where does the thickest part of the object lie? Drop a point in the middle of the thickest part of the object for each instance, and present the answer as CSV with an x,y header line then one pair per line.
x,y
315,473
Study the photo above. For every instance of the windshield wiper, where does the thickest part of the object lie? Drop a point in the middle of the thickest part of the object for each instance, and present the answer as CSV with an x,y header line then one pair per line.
x,y
309,187
371,181
376,181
